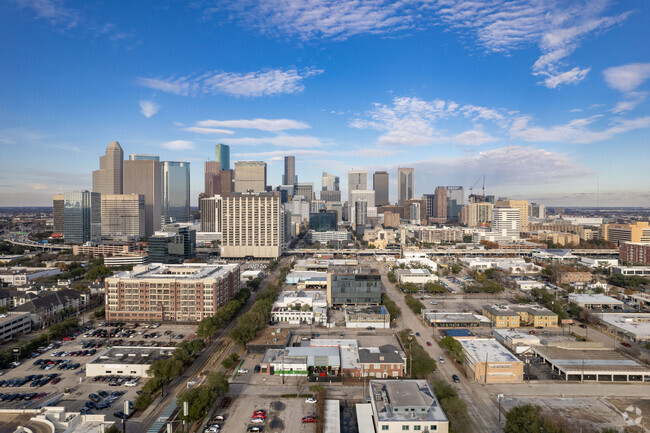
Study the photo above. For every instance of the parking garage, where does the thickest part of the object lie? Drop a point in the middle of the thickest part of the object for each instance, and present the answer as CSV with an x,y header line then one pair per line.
x,y
595,365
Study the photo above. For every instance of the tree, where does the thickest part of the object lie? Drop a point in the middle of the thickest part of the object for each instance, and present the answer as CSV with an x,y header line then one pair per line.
x,y
434,287
218,382
113,429
315,389
527,418
230,361
456,411
142,401
393,310
453,346
414,304
391,277
199,400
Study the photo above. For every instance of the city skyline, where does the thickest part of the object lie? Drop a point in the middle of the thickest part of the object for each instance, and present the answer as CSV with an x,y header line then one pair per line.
x,y
550,106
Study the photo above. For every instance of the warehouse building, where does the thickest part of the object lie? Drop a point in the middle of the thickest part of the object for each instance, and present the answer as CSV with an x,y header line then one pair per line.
x,y
375,316
487,361
633,326
596,301
127,361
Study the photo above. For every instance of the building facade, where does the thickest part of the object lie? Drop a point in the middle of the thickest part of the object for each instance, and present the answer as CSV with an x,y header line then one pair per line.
x,y
108,179
142,175
635,252
170,293
251,225
82,217
175,191
522,205
250,176
289,176
352,285
174,244
58,210
380,186
222,155
440,204
123,215
405,185
210,209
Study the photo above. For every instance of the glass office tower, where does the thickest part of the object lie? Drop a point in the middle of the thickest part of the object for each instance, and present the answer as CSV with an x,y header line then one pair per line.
x,y
175,191
222,155
82,217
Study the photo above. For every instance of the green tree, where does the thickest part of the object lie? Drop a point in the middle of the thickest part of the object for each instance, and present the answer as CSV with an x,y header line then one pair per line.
x,y
391,277
218,383
415,305
315,389
142,401
453,346
434,287
527,418
456,411
113,429
199,400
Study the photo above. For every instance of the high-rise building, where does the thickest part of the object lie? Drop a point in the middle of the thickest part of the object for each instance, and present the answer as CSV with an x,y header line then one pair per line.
x,y
360,213
429,200
58,208
367,196
175,191
304,189
404,185
357,180
251,225
289,176
250,176
170,293
322,221
415,210
478,214
174,244
536,210
522,205
440,204
143,175
636,253
82,217
330,182
455,201
222,155
123,215
217,181
619,233
330,196
210,209
380,185
108,179
505,222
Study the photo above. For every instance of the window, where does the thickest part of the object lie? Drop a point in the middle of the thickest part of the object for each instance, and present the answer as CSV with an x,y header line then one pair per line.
x,y
434,428
405,428
416,427
384,427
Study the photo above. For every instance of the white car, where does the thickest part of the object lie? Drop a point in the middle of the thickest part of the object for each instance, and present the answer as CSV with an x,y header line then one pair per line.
x,y
441,360
257,420
211,430
242,371
311,400
132,383
433,302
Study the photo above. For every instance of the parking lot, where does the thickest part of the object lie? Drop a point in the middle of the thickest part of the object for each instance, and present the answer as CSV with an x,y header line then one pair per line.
x,y
282,414
55,374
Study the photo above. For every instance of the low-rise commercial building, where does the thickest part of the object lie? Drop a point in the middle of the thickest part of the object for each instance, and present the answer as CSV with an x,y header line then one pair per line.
x,y
596,301
415,276
637,253
633,326
596,262
515,316
386,361
307,279
101,250
19,276
329,236
515,340
300,307
487,361
515,266
122,259
13,324
322,362
127,361
177,293
641,271
574,277
406,405
350,285
375,316
526,285
454,319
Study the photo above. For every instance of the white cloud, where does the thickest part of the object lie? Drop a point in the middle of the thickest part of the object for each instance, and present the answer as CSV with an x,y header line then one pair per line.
x,y
251,84
411,121
575,131
297,141
627,78
510,165
474,138
178,145
309,19
557,28
271,125
148,108
200,130
282,153
52,11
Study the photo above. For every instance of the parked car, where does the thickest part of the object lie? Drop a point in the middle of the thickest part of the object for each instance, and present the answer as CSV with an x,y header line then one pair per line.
x,y
242,371
441,360
626,344
428,343
311,400
310,418
456,378
257,420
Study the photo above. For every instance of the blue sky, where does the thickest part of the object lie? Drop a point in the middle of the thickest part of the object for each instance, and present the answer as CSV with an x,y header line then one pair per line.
x,y
547,100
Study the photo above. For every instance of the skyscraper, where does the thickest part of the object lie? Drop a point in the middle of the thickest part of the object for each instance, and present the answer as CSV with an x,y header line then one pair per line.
x,y
455,201
380,185
405,185
522,205
217,181
289,176
175,191
108,179
58,206
82,217
330,182
123,215
429,204
357,180
440,204
305,189
505,222
250,176
210,208
142,175
222,155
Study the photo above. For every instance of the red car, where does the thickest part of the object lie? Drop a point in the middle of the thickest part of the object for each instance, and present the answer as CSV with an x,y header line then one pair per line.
x,y
260,411
428,343
310,418
56,380
626,344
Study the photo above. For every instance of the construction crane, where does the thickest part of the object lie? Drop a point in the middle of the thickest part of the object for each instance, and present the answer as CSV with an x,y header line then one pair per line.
x,y
471,188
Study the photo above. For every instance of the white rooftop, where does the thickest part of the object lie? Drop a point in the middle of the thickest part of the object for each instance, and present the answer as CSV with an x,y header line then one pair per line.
x,y
594,299
480,349
637,324
187,271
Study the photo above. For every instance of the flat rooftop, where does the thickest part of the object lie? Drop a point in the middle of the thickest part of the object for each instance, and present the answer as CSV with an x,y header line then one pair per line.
x,y
480,349
189,271
11,316
371,309
133,355
314,356
423,272
594,299
637,324
405,393
590,360
454,317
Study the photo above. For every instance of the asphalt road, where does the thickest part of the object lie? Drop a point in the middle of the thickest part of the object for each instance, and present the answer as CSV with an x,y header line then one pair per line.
x,y
482,411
